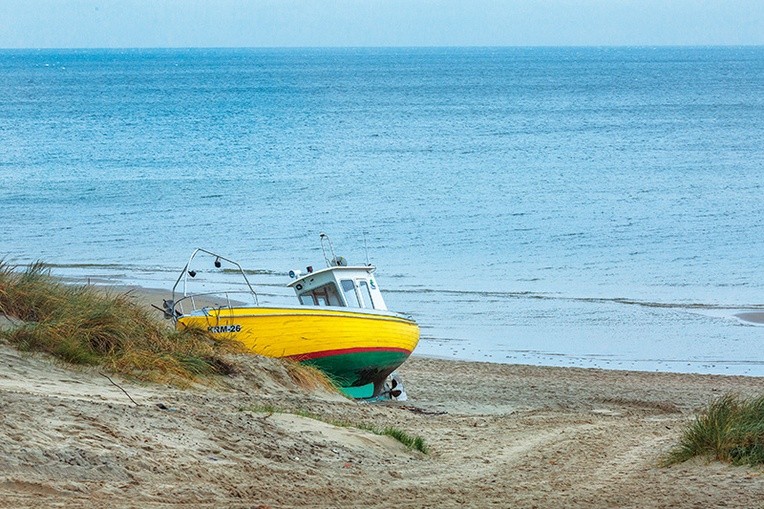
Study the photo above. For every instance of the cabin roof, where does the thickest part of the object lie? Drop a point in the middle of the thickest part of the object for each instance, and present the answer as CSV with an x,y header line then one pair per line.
x,y
357,268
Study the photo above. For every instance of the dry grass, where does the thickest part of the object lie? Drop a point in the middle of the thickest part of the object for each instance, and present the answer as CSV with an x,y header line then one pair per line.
x,y
85,325
309,377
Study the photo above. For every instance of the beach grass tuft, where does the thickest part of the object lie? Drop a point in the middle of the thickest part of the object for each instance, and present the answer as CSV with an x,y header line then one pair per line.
x,y
412,442
309,377
89,326
730,429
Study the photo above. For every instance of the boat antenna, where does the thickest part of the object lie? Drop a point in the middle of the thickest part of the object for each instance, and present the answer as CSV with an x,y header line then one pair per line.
x,y
323,249
366,248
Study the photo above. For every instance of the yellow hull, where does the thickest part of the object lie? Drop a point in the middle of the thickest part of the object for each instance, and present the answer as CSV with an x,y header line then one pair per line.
x,y
354,347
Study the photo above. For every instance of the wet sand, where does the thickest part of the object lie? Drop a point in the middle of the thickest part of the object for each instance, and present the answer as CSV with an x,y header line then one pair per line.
x,y
499,436
753,317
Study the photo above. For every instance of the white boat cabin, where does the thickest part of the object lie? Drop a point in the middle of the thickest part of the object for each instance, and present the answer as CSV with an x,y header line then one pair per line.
x,y
339,286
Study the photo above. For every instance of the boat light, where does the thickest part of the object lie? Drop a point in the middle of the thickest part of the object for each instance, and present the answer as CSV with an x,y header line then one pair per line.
x,y
217,262
294,274
192,273
339,261
309,268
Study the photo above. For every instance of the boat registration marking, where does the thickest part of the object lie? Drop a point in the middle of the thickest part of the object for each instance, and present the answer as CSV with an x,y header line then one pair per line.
x,y
218,329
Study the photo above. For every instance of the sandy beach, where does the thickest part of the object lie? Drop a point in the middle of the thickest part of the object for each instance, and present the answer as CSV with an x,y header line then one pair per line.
x,y
498,436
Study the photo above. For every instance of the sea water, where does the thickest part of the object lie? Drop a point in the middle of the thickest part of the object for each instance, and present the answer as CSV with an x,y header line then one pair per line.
x,y
595,207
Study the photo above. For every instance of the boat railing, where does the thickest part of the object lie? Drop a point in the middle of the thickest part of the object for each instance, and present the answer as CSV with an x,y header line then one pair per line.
x,y
210,300
174,306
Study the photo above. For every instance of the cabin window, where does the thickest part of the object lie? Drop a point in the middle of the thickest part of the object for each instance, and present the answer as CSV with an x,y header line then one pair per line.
x,y
366,294
332,296
322,296
351,297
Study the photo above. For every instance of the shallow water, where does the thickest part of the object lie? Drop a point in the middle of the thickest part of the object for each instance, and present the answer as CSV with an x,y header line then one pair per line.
x,y
588,207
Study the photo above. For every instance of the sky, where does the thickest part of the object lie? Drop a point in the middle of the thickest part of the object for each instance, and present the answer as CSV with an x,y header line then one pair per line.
x,y
364,23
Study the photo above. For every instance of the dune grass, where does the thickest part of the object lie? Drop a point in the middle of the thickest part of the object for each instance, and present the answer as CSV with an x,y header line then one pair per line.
x,y
416,443
309,377
412,442
86,325
730,429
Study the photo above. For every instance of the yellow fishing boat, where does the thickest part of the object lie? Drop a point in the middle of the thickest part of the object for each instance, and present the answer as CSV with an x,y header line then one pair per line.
x,y
341,326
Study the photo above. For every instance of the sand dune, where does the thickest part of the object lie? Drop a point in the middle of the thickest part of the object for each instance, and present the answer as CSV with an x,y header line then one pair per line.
x,y
499,436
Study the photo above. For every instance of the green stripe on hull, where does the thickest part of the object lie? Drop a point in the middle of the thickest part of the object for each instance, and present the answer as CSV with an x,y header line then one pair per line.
x,y
359,368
